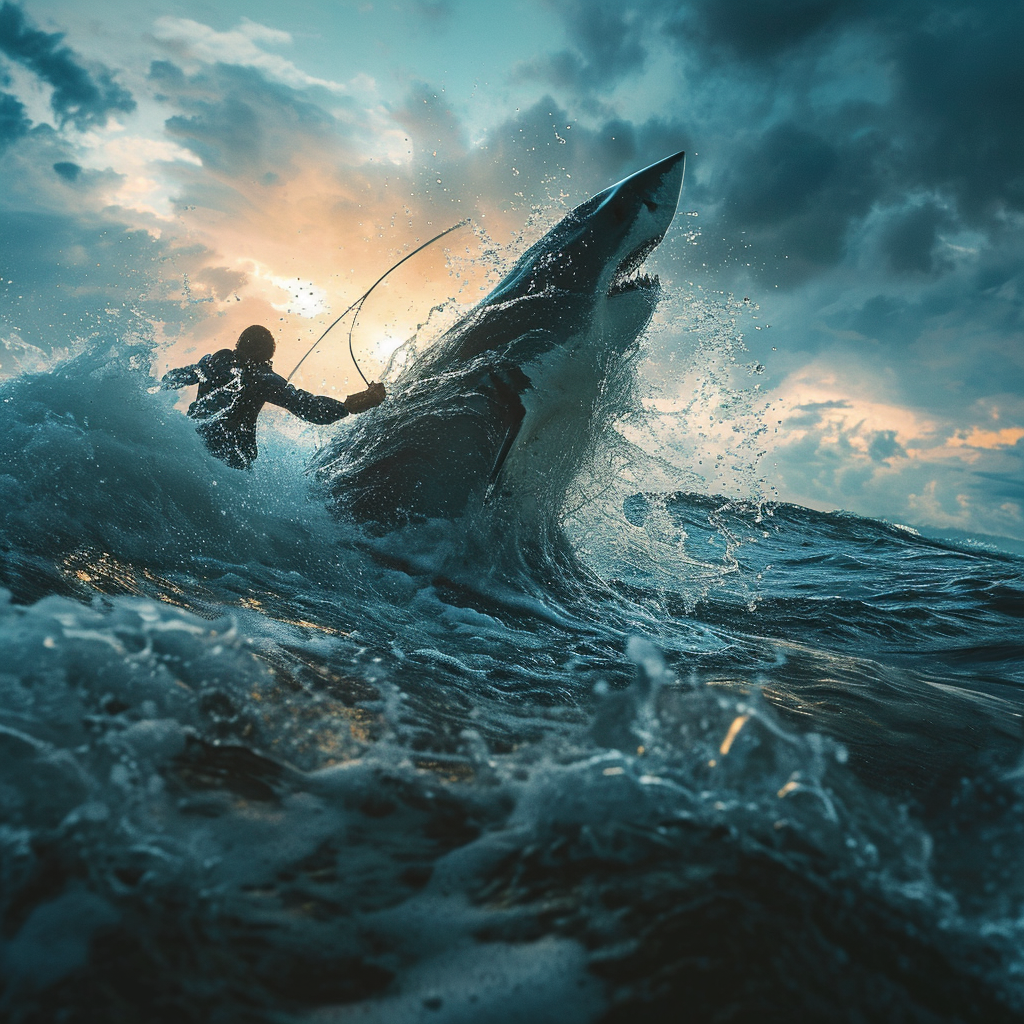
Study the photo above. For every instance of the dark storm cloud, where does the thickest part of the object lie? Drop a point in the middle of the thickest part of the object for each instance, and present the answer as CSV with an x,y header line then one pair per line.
x,y
67,170
810,414
607,42
84,96
961,85
166,73
236,121
427,116
1008,485
795,191
884,447
817,407
542,152
752,30
949,127
958,334
885,317
937,496
784,174
909,240
814,114
72,278
14,122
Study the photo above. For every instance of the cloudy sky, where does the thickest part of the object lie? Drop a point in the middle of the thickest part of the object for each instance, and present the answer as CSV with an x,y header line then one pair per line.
x,y
855,171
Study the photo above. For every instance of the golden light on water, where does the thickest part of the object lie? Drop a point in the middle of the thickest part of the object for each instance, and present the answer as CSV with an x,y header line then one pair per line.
x,y
734,730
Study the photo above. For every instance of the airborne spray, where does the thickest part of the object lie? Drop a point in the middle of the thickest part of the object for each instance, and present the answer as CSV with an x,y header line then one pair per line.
x,y
262,763
358,304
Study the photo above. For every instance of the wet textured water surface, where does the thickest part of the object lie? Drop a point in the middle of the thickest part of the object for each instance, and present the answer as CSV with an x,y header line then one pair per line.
x,y
724,761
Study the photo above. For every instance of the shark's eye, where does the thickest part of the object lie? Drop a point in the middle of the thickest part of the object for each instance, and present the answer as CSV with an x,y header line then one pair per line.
x,y
620,209
652,206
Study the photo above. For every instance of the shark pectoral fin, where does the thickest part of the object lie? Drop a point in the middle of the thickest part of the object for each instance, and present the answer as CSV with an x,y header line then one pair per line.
x,y
514,413
499,462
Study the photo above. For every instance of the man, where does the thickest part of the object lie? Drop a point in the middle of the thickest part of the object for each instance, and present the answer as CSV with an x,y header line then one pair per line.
x,y
235,385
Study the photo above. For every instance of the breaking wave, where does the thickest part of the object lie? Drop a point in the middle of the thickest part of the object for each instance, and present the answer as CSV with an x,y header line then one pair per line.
x,y
731,756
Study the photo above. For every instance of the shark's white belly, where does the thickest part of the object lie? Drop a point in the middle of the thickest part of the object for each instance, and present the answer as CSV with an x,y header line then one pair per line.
x,y
569,384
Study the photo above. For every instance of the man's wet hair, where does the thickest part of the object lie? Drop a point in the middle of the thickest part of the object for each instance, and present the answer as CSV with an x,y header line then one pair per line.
x,y
255,343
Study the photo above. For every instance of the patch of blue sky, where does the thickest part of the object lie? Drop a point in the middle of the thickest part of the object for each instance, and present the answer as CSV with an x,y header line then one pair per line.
x,y
464,47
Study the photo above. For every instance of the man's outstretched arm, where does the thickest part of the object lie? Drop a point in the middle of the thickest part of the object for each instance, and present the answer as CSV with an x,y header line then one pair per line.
x,y
324,409
183,376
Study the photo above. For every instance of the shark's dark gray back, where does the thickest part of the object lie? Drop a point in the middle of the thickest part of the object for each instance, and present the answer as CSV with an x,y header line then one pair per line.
x,y
482,397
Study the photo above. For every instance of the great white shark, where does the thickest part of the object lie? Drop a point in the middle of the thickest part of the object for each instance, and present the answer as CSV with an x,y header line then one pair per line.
x,y
499,412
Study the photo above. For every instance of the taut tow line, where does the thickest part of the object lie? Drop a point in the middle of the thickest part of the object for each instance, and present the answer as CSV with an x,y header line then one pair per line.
x,y
358,304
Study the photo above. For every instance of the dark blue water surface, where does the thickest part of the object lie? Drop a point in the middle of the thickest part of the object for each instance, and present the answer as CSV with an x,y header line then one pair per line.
x,y
727,761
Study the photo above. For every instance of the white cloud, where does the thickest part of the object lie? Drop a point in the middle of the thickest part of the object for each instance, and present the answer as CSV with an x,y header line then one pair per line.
x,y
33,92
141,185
305,298
979,437
242,45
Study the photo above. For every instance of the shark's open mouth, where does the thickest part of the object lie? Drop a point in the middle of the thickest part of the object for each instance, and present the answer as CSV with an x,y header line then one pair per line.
x,y
627,277
504,416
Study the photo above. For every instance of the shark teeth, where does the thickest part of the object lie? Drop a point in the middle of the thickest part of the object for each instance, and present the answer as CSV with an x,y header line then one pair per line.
x,y
632,284
626,278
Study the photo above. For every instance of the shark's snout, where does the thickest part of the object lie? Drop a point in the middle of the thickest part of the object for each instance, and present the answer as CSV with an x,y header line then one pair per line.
x,y
663,181
646,200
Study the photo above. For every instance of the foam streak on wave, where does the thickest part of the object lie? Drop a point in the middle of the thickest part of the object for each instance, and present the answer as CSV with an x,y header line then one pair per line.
x,y
259,764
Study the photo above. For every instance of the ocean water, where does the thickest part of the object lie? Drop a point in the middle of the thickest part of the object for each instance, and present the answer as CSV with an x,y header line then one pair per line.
x,y
688,759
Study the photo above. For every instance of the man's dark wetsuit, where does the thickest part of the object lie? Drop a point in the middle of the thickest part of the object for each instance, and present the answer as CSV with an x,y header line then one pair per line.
x,y
232,391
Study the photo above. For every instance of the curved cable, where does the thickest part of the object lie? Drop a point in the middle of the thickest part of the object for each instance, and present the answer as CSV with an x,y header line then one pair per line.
x,y
358,304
